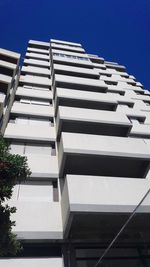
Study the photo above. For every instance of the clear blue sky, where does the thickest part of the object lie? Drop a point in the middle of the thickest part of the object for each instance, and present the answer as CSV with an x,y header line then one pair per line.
x,y
118,30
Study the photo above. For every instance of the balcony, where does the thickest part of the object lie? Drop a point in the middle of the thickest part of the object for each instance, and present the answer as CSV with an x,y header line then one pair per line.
x,y
76,71
30,79
9,56
141,130
81,99
67,47
35,70
79,83
36,55
72,62
7,68
86,154
80,120
36,62
38,50
34,262
30,132
37,220
5,82
47,169
97,207
69,53
65,43
34,110
34,93
39,44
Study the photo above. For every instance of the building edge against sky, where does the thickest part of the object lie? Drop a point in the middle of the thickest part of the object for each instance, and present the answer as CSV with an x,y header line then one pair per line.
x,y
84,125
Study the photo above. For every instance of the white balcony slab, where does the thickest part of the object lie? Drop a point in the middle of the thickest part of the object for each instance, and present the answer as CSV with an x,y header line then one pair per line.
x,y
115,66
97,197
82,120
72,61
9,53
38,50
103,155
65,42
35,70
5,79
140,130
67,47
37,220
30,132
36,62
33,93
36,55
8,65
35,80
34,110
90,73
90,100
39,43
69,53
48,168
33,262
80,83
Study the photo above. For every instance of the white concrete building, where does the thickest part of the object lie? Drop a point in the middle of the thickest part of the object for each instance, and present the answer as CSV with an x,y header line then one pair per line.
x,y
84,125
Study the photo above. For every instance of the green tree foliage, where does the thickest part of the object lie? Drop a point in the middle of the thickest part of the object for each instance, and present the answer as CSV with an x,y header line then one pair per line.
x,y
13,169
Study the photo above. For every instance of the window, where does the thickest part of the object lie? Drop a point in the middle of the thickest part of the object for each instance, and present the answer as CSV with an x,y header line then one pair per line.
x,y
70,56
33,121
35,102
36,87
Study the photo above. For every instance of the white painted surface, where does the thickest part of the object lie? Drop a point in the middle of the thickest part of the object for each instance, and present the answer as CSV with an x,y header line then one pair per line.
x,y
20,108
104,145
88,115
32,132
31,262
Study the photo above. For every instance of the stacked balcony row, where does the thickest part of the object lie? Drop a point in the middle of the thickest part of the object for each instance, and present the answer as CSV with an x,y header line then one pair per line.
x,y
100,112
9,71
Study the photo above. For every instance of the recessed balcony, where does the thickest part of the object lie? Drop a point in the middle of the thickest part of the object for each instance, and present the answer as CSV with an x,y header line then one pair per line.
x,y
9,56
98,122
35,71
72,62
81,99
97,207
34,110
42,94
5,82
7,68
31,79
85,154
36,62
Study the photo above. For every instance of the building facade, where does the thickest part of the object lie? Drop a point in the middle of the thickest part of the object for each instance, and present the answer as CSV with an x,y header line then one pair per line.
x,y
84,125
